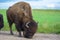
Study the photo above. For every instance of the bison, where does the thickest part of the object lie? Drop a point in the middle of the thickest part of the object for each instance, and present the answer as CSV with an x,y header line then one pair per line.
x,y
1,21
20,14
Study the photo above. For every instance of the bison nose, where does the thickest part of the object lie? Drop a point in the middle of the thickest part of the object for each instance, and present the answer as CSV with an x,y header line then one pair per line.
x,y
28,37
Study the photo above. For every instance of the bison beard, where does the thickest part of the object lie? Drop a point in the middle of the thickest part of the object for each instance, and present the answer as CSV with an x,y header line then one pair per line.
x,y
1,21
20,14
31,29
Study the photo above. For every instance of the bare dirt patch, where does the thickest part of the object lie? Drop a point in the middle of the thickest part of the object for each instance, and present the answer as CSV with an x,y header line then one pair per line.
x,y
5,35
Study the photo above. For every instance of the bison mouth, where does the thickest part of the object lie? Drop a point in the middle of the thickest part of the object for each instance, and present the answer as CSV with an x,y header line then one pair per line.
x,y
28,35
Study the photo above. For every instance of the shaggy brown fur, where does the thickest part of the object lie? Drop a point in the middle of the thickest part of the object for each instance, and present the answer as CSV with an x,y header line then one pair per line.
x,y
20,14
25,7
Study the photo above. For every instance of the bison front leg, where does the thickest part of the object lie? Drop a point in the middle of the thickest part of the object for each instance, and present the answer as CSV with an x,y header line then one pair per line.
x,y
20,34
18,29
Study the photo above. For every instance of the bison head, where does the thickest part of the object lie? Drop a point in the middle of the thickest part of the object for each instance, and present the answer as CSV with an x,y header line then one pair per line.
x,y
30,29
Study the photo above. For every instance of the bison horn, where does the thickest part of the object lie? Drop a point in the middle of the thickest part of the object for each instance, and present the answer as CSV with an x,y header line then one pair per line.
x,y
27,24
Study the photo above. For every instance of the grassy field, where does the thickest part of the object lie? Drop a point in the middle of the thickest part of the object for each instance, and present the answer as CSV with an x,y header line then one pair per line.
x,y
48,20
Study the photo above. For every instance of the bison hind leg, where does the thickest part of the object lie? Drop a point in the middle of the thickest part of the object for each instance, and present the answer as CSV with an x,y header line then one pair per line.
x,y
10,25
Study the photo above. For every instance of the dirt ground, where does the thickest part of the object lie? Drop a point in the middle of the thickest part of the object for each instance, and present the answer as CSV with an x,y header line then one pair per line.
x,y
5,35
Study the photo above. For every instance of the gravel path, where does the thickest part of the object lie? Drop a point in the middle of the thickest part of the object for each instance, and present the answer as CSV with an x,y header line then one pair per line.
x,y
5,35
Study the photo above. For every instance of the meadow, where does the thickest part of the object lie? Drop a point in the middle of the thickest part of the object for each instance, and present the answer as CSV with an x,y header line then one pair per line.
x,y
48,20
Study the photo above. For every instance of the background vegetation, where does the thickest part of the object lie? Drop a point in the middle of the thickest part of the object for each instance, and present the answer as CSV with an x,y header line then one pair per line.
x,y
48,20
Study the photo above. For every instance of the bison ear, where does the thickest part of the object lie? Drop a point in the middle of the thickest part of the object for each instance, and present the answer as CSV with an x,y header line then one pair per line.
x,y
27,24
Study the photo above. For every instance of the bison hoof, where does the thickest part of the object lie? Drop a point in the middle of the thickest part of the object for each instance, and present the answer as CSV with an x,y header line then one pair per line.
x,y
12,34
19,36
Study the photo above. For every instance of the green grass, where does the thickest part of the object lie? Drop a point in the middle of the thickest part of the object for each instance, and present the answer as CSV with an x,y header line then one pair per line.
x,y
48,20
